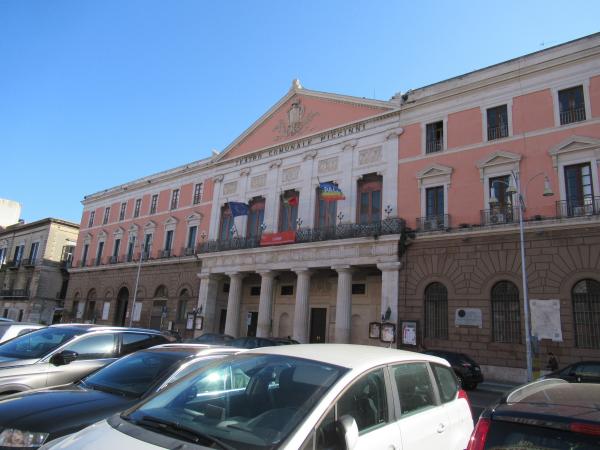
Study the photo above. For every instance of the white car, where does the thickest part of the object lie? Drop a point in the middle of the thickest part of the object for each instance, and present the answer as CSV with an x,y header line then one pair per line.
x,y
319,396
10,330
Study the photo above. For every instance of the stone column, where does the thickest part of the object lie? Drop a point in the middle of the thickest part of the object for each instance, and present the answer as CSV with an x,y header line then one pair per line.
x,y
301,309
265,306
343,307
215,213
306,208
389,196
390,285
207,301
345,182
232,324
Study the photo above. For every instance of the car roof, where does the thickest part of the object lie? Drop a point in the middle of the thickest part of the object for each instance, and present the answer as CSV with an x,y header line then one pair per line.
x,y
94,327
193,349
21,324
552,400
351,356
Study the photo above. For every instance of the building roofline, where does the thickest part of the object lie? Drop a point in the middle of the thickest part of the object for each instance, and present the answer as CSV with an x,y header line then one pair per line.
x,y
48,220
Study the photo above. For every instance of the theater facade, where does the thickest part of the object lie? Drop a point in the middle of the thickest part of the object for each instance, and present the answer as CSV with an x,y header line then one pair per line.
x,y
341,219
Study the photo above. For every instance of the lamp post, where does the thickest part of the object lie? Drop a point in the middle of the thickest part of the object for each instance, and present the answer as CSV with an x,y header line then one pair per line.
x,y
526,312
137,278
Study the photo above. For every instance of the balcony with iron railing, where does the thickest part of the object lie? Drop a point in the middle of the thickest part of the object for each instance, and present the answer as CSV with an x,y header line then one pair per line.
x,y
166,253
13,263
572,115
433,146
14,293
113,259
387,226
497,132
499,215
440,222
586,207
188,251
28,262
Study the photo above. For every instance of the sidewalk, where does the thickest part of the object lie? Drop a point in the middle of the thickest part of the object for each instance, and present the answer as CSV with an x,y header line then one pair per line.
x,y
496,386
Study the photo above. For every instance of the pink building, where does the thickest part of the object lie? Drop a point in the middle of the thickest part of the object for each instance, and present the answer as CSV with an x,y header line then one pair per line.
x,y
426,235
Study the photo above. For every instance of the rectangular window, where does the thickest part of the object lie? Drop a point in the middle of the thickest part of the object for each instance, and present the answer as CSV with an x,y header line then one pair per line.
x,y
18,254
2,255
256,217
175,199
226,288
91,221
106,214
497,122
122,211
197,193
326,212
571,105
579,190
169,240
116,249
288,210
191,242
359,289
147,244
153,203
255,291
369,199
130,249
434,137
501,208
99,255
84,255
287,289
33,251
434,201
136,210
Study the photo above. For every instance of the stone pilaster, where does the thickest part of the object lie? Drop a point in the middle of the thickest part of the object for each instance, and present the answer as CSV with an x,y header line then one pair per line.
x,y
207,299
265,306
343,307
390,275
232,323
301,309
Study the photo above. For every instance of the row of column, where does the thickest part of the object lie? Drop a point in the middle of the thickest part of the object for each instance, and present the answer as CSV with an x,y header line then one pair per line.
x,y
207,298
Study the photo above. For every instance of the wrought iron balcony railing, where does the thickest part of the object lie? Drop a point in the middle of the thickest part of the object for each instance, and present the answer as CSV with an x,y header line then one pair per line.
x,y
499,215
13,264
29,262
588,206
497,132
439,222
166,253
20,293
235,243
113,259
188,251
433,146
572,115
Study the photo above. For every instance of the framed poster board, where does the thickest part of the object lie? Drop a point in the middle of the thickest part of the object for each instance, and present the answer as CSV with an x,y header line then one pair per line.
x,y
189,323
409,329
374,330
199,322
388,332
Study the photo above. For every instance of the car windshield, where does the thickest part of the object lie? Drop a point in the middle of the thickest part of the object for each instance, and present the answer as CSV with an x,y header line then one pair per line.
x,y
38,343
247,401
133,375
4,326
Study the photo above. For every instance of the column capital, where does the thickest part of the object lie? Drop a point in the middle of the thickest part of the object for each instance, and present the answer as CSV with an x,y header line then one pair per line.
x,y
389,266
235,275
342,269
218,178
267,273
299,270
204,275
394,133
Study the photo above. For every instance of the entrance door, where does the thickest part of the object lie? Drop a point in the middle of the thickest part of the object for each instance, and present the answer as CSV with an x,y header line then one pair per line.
x,y
121,309
251,321
318,325
222,320
159,309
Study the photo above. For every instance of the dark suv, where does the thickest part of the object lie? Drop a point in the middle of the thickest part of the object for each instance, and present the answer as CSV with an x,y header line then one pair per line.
x,y
466,369
547,414
61,354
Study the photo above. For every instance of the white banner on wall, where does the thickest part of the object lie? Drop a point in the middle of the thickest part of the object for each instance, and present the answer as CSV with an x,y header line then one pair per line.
x,y
137,312
545,319
105,310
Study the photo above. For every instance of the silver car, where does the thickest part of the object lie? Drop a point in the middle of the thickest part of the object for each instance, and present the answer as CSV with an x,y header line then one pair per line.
x,y
61,354
9,330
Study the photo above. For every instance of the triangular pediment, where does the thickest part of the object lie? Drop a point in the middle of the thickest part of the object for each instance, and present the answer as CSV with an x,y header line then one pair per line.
x,y
194,217
499,158
435,170
302,113
172,221
102,235
150,225
118,232
133,228
574,144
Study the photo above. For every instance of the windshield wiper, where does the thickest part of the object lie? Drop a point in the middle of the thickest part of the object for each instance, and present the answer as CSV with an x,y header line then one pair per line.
x,y
181,431
99,387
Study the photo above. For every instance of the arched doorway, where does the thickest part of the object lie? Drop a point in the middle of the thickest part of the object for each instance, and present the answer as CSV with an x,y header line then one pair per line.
x,y
122,303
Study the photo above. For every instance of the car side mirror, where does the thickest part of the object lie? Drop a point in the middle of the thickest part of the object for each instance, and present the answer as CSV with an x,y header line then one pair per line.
x,y
348,429
63,358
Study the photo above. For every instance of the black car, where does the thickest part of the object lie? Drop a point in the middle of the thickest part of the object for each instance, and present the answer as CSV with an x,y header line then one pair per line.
x,y
211,339
47,414
256,342
466,369
581,372
548,414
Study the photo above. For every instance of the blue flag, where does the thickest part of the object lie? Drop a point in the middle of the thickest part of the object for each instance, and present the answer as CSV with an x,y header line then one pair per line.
x,y
238,209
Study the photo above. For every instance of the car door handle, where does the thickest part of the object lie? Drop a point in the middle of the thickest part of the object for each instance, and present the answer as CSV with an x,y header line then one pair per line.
x,y
441,427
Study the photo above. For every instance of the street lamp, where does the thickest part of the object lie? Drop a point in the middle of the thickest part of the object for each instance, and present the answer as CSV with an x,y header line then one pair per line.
x,y
137,278
511,190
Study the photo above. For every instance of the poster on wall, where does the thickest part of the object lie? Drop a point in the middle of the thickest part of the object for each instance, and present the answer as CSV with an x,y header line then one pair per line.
x,y
189,324
468,317
105,310
79,313
545,319
409,332
199,322
374,330
388,332
137,312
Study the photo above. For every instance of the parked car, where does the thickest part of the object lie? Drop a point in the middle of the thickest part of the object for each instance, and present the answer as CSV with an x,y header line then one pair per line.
x,y
113,388
9,330
4,319
211,338
581,372
61,354
466,369
324,396
546,414
256,342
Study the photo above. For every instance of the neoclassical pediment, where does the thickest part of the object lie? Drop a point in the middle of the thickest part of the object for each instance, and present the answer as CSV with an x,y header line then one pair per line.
x,y
583,145
171,221
195,217
498,159
102,234
133,228
118,232
150,225
435,170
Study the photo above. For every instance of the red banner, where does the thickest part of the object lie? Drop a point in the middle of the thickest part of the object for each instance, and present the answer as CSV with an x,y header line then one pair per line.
x,y
284,237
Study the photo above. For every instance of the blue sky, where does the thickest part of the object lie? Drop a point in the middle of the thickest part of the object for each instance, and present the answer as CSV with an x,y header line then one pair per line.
x,y
97,93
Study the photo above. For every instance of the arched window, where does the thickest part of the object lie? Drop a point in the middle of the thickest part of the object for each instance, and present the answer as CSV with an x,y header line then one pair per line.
x,y
586,313
436,311
90,307
506,312
161,291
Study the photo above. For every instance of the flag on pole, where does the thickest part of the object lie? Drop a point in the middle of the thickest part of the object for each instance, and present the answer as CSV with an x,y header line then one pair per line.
x,y
290,201
238,209
330,192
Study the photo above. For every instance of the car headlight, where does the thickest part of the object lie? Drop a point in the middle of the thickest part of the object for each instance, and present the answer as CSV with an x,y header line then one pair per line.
x,y
19,438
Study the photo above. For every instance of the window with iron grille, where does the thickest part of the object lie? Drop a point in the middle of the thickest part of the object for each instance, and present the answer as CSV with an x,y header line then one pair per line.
x,y
122,211
436,311
287,289
506,313
571,105
586,313
91,221
153,203
175,199
226,288
497,122
136,210
359,288
255,291
106,214
197,193
434,137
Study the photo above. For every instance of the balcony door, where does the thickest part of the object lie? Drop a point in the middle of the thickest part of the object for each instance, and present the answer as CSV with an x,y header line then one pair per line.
x,y
579,190
256,217
369,199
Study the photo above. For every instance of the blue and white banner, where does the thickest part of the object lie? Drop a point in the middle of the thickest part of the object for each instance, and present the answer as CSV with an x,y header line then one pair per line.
x,y
238,209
